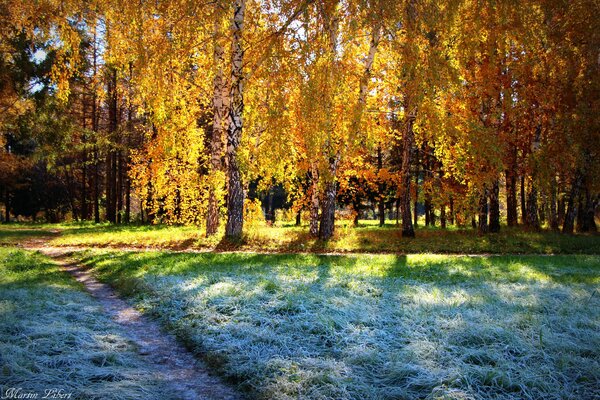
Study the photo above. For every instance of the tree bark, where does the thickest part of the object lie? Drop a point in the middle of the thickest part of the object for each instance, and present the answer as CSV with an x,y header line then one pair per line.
x,y
220,111
533,220
6,205
380,202
482,227
327,224
111,156
235,191
417,162
408,141
588,213
443,216
523,207
511,198
553,208
495,208
569,223
314,203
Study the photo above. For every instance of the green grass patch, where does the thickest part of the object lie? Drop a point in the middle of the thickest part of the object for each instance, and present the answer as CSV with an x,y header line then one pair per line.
x,y
365,238
54,336
307,326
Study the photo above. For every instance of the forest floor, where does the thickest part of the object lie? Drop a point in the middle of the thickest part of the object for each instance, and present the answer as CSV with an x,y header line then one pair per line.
x,y
355,326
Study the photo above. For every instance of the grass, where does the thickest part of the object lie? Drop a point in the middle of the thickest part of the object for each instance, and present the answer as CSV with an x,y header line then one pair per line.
x,y
54,336
365,238
305,326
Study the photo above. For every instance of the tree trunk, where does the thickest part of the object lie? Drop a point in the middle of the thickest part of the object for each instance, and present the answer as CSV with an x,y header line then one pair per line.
x,y
314,203
127,201
451,210
580,213
6,205
588,213
380,202
96,186
416,200
532,208
235,191
523,208
408,141
84,206
327,225
443,216
569,223
120,184
495,207
482,227
553,209
220,111
511,198
299,218
111,157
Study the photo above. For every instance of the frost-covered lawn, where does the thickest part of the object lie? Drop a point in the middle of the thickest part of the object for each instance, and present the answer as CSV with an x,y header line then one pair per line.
x,y
378,326
55,340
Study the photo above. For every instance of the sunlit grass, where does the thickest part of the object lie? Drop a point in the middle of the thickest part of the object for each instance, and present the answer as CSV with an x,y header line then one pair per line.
x,y
307,326
55,336
347,238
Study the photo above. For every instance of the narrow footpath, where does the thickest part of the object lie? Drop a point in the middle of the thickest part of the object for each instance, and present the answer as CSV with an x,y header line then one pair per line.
x,y
188,377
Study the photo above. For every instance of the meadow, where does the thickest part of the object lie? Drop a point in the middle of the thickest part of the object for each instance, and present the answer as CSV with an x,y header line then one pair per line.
x,y
289,322
377,326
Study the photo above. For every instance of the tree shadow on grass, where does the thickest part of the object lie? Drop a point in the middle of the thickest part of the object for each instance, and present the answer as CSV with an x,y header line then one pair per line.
x,y
411,326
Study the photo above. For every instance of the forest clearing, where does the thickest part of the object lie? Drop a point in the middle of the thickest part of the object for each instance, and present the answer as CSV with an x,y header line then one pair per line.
x,y
300,199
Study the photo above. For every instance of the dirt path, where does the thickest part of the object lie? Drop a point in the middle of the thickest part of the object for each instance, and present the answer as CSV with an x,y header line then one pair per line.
x,y
187,376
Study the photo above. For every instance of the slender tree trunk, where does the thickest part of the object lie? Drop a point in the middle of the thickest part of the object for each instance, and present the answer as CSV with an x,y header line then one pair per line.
x,y
127,201
111,157
314,203
120,184
299,218
523,207
532,208
220,111
84,155
408,141
482,227
443,216
95,119
417,163
495,207
380,202
580,213
511,198
553,208
451,210
569,223
96,186
235,191
588,213
6,206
